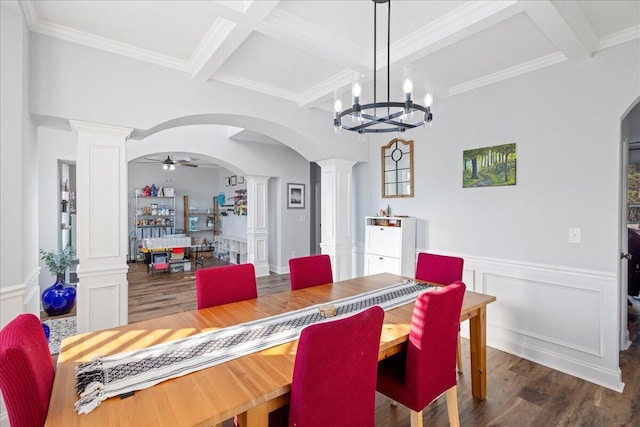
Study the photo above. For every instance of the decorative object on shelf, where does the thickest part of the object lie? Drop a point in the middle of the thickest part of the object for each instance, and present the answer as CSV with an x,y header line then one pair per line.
x,y
60,297
240,204
400,116
489,166
153,192
397,168
295,196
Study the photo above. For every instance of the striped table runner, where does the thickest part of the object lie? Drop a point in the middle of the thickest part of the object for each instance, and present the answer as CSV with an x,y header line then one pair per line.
x,y
110,376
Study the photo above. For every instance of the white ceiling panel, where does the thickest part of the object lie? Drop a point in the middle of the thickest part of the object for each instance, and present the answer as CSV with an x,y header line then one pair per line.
x,y
271,62
610,16
170,28
508,43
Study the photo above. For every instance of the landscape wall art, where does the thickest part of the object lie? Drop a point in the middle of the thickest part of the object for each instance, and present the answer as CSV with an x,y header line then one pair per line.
x,y
489,166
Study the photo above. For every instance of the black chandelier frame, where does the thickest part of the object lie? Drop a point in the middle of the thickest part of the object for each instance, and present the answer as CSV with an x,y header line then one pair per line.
x,y
366,114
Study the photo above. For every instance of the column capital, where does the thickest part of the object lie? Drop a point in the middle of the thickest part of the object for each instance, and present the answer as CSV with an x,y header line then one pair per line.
x,y
99,128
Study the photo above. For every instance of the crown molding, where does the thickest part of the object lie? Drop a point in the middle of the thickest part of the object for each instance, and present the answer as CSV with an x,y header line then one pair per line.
x,y
508,73
619,37
318,93
98,42
255,86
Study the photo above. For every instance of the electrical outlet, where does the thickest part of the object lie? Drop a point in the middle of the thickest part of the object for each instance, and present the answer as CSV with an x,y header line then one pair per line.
x,y
303,218
575,235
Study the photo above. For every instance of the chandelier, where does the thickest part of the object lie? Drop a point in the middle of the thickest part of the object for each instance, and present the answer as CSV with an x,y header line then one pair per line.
x,y
379,117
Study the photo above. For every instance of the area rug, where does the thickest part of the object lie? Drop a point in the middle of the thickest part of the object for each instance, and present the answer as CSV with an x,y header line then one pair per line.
x,y
60,329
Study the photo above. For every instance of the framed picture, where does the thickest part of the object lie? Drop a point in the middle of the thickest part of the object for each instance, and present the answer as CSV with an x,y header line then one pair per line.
x,y
489,166
234,180
227,181
241,180
295,196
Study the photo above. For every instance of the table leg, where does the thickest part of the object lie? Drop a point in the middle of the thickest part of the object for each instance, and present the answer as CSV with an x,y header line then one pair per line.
x,y
478,346
258,416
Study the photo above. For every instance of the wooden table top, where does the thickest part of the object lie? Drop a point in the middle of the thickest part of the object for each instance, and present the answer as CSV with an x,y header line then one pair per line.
x,y
212,395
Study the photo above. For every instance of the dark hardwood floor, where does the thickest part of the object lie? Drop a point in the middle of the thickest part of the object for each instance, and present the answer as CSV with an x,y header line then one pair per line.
x,y
520,392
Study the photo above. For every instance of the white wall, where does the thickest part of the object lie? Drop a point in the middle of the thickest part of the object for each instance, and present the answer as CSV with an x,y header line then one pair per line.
x,y
557,302
18,176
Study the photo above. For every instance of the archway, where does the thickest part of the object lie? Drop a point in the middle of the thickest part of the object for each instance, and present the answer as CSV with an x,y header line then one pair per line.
x,y
630,156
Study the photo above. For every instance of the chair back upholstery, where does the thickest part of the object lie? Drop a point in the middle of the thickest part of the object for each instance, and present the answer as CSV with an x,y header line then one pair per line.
x,y
334,376
223,285
26,371
431,350
310,271
439,269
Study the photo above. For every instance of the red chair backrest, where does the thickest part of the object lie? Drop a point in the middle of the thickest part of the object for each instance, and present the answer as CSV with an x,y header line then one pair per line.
x,y
223,285
334,376
431,350
26,371
310,271
439,269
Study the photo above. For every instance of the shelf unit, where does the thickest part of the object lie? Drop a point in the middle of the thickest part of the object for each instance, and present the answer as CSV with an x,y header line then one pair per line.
x,y
153,217
208,221
390,245
231,249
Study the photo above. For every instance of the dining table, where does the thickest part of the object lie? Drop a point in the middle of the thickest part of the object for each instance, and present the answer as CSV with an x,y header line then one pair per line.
x,y
249,386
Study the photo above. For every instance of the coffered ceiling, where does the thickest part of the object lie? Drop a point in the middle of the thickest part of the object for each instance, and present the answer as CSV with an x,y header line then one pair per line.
x,y
305,50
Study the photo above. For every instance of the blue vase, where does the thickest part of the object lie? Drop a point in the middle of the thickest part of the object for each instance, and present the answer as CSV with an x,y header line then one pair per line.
x,y
47,331
58,298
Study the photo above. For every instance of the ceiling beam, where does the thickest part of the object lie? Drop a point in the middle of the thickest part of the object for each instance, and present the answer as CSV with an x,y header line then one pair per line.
x,y
225,36
566,25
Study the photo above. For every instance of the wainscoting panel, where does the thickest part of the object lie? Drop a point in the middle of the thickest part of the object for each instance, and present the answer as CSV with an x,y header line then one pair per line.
x,y
563,318
532,309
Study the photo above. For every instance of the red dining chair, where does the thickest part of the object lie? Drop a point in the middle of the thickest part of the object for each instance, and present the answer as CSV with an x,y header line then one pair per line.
x,y
310,271
26,371
222,285
427,367
334,374
441,269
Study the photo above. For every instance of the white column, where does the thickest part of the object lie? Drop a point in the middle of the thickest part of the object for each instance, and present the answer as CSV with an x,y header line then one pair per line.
x,y
257,233
336,177
101,188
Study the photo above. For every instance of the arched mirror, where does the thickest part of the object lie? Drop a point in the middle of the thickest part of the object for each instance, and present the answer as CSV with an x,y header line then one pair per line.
x,y
397,169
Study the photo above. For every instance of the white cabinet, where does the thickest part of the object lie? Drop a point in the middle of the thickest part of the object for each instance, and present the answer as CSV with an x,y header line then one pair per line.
x,y
390,245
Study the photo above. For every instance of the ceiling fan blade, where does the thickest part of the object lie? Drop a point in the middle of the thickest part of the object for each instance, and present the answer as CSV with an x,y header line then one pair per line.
x,y
185,163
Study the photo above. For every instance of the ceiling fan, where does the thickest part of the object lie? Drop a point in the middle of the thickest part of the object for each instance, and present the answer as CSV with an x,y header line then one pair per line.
x,y
170,164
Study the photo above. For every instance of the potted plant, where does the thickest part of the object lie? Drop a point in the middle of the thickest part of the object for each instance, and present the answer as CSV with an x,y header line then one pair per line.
x,y
60,297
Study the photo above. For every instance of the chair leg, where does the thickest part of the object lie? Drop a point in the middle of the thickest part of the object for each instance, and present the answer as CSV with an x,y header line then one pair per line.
x,y
459,355
416,418
452,407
